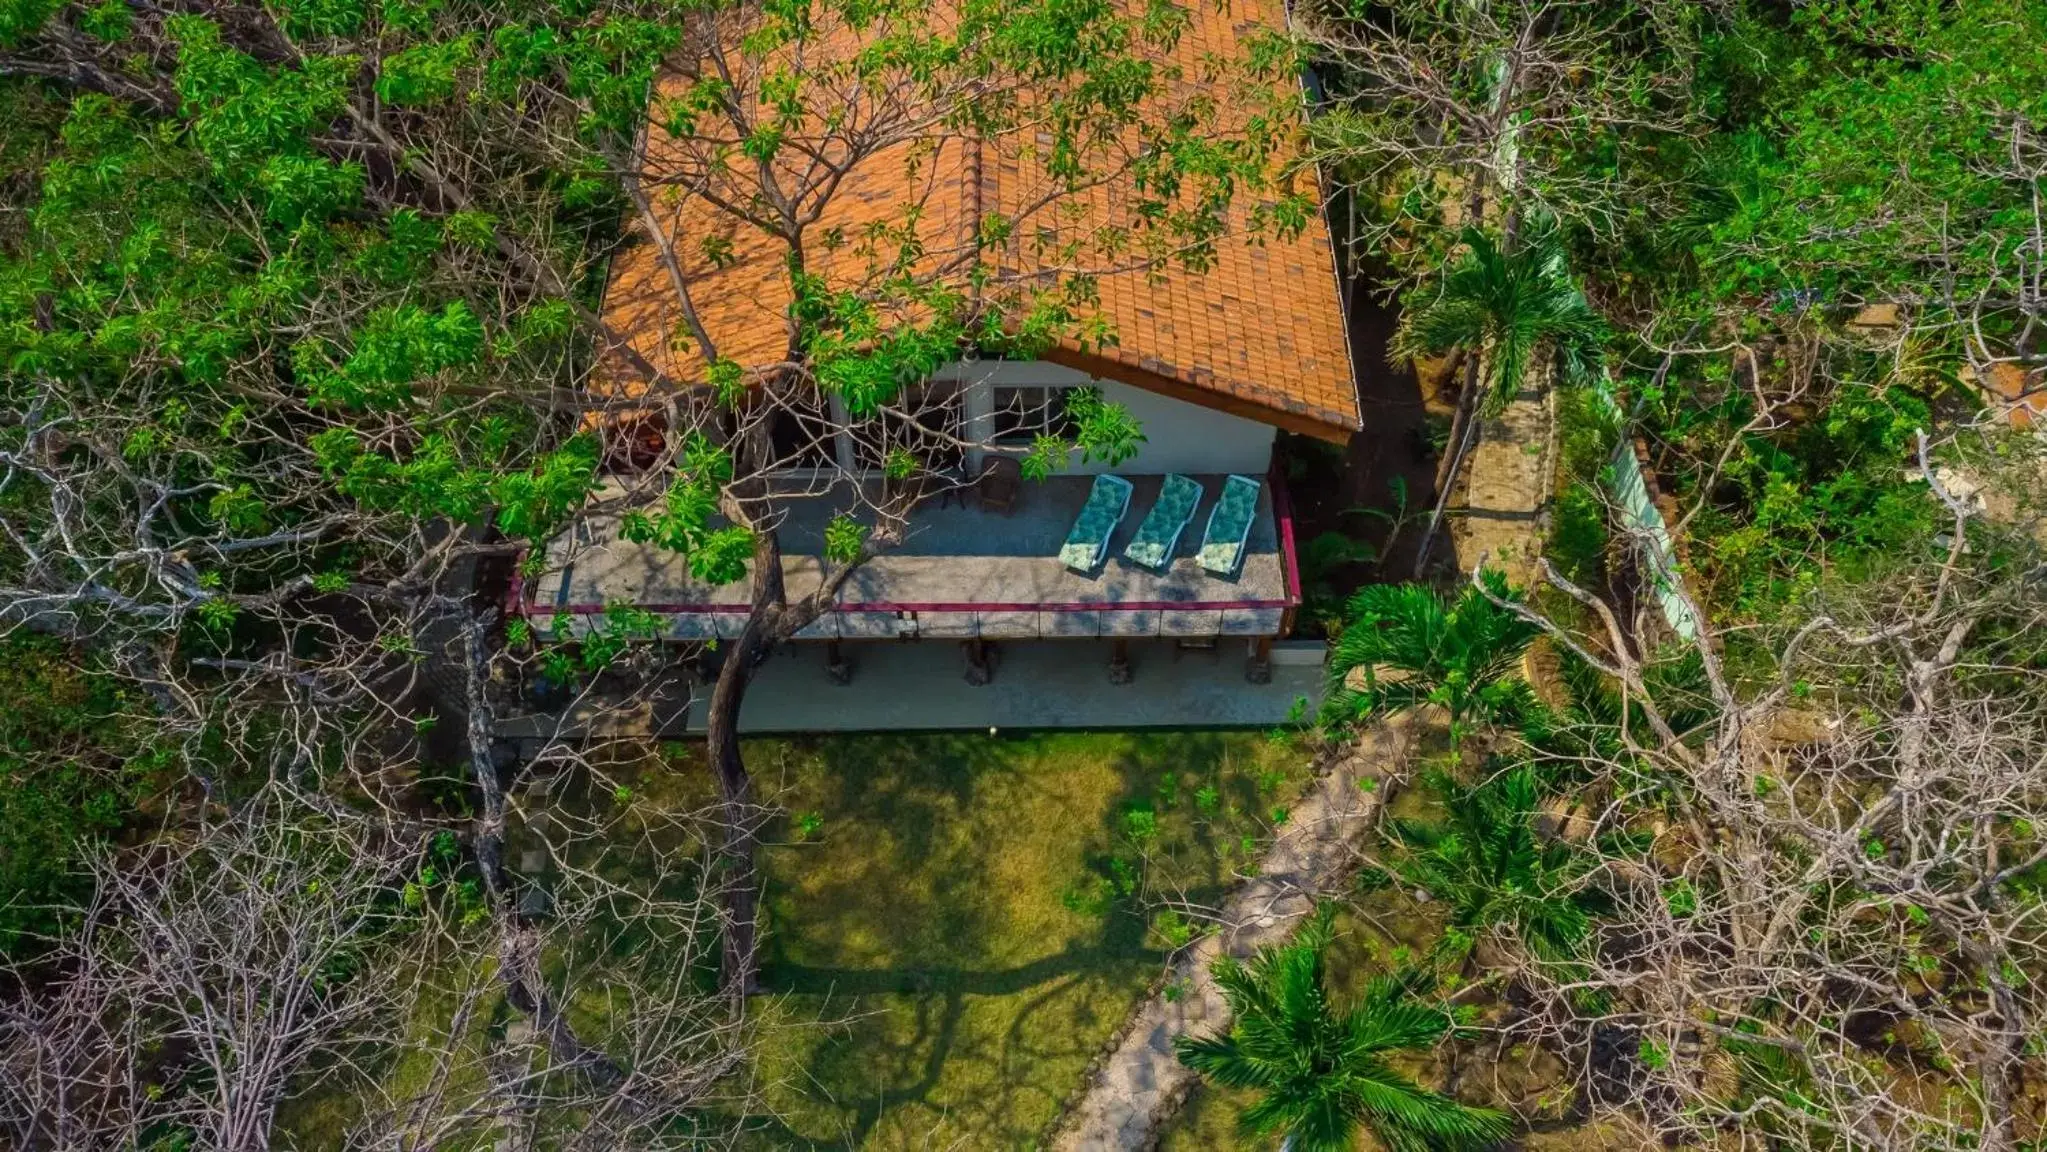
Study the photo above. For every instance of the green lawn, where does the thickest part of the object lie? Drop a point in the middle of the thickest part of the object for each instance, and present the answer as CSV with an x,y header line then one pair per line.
x,y
945,923
947,946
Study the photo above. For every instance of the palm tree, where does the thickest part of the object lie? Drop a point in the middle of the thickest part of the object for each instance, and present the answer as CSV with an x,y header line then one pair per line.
x,y
1485,861
1323,1072
1507,307
1503,310
1405,645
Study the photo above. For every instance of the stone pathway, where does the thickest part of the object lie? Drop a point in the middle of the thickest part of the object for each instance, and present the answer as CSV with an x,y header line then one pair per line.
x,y
1506,488
1137,1086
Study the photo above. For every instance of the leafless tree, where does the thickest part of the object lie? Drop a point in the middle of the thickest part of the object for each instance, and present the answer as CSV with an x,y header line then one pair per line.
x,y
204,980
1835,935
1502,98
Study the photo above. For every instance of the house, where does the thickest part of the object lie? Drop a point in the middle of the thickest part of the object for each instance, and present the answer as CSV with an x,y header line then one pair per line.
x,y
1213,365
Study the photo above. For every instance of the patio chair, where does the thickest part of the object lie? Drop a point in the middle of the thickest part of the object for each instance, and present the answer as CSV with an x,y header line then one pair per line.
x,y
1229,526
997,487
1159,534
1087,545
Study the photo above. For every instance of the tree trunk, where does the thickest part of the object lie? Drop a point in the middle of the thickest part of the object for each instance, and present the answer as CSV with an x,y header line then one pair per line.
x,y
768,623
739,859
771,620
1463,426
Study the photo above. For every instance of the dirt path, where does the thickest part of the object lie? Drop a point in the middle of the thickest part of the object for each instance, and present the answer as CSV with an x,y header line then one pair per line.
x,y
1506,488
1139,1084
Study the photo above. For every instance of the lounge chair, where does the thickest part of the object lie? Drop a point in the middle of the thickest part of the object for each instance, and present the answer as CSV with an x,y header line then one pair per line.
x,y
1229,526
1159,534
1087,545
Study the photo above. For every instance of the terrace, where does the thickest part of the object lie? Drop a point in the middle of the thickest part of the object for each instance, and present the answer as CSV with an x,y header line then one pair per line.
x,y
960,572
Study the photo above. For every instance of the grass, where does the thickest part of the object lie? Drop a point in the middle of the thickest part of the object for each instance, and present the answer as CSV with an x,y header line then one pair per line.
x,y
950,928
948,943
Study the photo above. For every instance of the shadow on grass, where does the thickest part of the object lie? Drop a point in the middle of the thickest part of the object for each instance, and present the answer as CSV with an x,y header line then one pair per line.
x,y
951,991
1119,943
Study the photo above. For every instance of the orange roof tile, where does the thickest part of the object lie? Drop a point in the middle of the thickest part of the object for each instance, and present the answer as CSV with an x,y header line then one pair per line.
x,y
1259,331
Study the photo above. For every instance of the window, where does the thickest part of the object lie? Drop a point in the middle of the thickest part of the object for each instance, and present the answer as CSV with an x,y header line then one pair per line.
x,y
1025,412
802,435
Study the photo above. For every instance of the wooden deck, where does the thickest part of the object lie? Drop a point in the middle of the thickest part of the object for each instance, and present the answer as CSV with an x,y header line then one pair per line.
x,y
960,572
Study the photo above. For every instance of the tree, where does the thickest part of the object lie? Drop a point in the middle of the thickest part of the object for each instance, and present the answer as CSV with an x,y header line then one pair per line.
x,y
1486,861
1847,826
1443,116
1323,1072
1506,311
833,176
193,992
302,328
287,951
1407,645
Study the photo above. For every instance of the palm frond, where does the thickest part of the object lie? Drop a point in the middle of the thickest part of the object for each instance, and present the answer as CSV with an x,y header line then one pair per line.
x,y
1319,1071
1511,308
1410,1118
1393,1020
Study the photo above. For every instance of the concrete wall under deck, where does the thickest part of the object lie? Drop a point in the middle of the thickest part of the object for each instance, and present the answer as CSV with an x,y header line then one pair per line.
x,y
912,687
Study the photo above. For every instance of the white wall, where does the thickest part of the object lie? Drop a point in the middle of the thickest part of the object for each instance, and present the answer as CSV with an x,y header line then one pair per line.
x,y
1178,436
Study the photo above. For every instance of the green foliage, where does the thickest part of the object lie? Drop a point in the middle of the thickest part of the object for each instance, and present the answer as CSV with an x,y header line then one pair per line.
x,y
1405,645
109,20
533,504
1510,308
125,259
843,538
1829,493
477,230
1885,158
1321,1071
683,524
1103,431
315,19
20,19
1681,898
1484,859
306,189
620,627
1141,823
1172,929
396,348
860,353
73,771
1322,559
432,482
243,113
1578,535
426,74
899,464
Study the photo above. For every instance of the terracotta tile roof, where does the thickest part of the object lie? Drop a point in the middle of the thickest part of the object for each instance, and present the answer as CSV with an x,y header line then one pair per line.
x,y
1259,331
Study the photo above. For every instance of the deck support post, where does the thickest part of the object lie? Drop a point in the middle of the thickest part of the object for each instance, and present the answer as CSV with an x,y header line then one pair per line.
x,y
835,665
1258,669
980,669
1119,660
